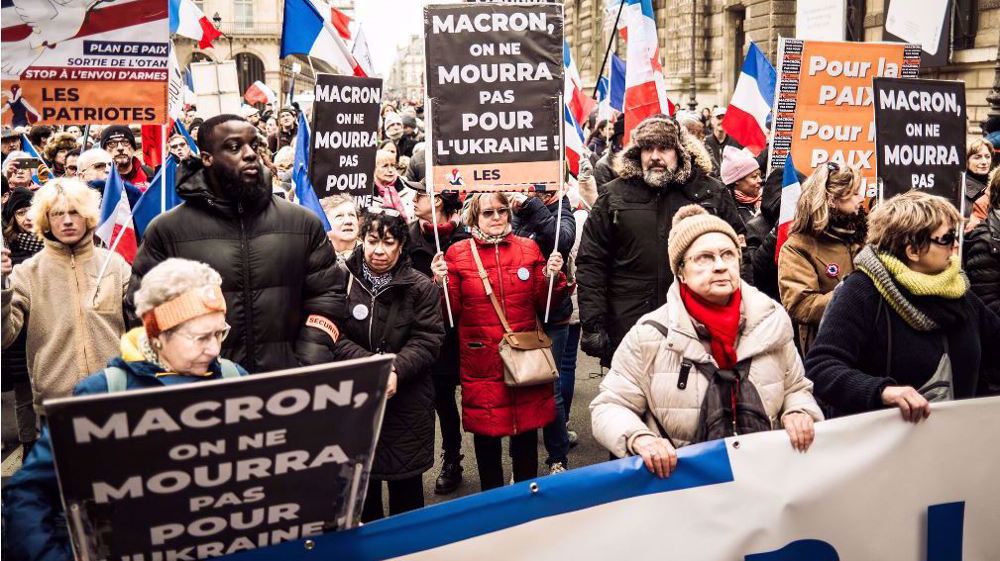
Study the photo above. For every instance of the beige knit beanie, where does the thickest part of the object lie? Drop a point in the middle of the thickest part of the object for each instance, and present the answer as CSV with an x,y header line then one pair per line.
x,y
690,223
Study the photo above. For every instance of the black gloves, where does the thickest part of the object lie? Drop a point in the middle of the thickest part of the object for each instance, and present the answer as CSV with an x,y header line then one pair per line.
x,y
595,343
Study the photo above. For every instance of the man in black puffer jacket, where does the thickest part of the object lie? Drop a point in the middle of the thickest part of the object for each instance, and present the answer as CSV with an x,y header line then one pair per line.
x,y
284,293
622,269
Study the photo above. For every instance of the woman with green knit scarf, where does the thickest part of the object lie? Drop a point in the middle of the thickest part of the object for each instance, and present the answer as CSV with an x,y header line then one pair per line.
x,y
904,330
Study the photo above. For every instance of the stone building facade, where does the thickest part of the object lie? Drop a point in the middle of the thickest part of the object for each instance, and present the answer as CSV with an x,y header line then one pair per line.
x,y
406,79
252,37
723,30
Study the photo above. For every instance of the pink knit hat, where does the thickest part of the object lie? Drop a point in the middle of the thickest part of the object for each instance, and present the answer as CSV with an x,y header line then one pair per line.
x,y
737,164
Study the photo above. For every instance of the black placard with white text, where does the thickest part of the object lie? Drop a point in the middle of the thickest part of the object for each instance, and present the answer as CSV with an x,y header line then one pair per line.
x,y
206,469
920,136
344,135
494,77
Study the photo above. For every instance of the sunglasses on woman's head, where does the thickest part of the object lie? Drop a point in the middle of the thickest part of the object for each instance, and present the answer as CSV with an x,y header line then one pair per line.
x,y
491,212
947,240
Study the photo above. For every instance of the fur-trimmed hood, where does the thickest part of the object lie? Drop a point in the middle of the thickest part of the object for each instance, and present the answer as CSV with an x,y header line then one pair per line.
x,y
690,151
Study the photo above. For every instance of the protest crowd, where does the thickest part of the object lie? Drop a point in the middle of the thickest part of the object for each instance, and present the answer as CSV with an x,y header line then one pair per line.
x,y
666,257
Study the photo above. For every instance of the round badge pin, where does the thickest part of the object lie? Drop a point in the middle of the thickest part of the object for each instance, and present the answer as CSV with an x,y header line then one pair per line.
x,y
832,270
360,312
523,273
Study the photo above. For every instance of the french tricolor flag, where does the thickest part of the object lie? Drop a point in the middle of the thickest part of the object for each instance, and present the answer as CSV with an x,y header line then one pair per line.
x,y
746,116
579,103
791,190
115,228
573,137
645,89
187,20
308,31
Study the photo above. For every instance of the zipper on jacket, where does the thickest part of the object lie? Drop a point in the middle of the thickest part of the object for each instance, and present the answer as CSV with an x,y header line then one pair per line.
x,y
371,321
247,293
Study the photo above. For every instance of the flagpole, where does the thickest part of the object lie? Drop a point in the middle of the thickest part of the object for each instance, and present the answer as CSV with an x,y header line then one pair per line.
x,y
607,51
562,177
86,137
107,261
163,167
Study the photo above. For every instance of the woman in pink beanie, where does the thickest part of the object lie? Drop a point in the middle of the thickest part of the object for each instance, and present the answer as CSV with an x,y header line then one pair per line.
x,y
741,173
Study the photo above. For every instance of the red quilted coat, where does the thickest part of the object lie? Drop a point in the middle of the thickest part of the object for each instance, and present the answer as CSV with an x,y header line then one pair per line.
x,y
515,268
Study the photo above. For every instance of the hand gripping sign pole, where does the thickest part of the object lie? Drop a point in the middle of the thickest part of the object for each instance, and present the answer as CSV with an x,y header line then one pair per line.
x,y
562,178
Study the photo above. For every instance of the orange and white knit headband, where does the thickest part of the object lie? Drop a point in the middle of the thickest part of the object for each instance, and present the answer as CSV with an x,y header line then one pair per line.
x,y
193,303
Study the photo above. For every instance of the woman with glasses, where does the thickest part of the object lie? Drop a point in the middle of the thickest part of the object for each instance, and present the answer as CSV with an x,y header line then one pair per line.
x,y
184,323
395,309
905,330
828,231
717,341
518,274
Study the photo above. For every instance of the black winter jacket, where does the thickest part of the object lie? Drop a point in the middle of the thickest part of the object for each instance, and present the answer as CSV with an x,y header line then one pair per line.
x,y
537,221
622,267
982,260
848,360
604,171
422,252
406,444
277,268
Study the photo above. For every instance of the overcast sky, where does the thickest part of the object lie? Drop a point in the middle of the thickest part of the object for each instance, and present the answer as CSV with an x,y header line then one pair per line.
x,y
389,23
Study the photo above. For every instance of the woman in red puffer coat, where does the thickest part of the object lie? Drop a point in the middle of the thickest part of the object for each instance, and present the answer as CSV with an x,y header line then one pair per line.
x,y
518,272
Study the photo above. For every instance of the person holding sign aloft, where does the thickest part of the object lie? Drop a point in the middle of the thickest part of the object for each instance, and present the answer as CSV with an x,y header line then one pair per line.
x,y
494,273
183,313
395,309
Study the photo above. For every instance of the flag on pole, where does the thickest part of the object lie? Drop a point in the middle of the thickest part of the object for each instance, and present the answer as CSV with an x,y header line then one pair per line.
x,y
152,140
746,116
305,31
29,148
259,92
573,137
645,93
579,103
361,52
179,127
791,190
187,20
304,192
341,22
154,201
115,227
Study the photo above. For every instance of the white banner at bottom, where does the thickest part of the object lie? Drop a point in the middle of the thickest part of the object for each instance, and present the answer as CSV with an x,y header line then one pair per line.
x,y
871,487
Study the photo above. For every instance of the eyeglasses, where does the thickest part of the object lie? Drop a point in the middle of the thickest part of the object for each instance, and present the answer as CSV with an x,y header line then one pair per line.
x,y
387,211
101,166
112,144
947,240
708,259
206,338
178,145
499,212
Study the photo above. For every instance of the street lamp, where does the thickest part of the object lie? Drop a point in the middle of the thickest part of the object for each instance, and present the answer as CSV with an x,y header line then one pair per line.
x,y
217,20
693,103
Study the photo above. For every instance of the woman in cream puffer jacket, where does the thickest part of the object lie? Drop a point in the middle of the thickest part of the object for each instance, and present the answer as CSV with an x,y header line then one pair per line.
x,y
644,373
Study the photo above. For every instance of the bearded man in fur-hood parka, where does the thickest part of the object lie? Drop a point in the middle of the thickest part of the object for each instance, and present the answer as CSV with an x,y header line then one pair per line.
x,y
622,266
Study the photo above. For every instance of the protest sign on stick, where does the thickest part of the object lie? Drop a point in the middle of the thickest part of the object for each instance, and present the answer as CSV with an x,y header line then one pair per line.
x,y
494,75
823,102
211,468
920,136
102,63
345,136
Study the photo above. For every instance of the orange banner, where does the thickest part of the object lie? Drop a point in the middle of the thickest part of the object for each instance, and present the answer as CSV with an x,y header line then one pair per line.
x,y
824,109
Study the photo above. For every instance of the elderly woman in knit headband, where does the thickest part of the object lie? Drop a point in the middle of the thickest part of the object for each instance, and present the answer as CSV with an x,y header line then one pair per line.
x,y
717,342
906,330
184,320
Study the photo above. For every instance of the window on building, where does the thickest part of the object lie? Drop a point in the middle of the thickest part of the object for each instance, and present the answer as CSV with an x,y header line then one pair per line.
x,y
243,11
966,24
856,20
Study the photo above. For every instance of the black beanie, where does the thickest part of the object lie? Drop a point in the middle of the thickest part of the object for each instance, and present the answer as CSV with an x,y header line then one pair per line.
x,y
19,198
116,132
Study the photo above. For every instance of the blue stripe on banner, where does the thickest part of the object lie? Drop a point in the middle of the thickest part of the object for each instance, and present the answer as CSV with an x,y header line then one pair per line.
x,y
446,523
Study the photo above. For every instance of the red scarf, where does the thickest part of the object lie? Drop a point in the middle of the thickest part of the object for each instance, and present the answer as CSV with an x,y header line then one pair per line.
x,y
137,177
722,322
445,230
390,198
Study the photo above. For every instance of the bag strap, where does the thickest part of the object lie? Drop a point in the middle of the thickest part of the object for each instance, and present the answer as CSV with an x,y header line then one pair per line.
x,y
117,379
229,369
489,288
